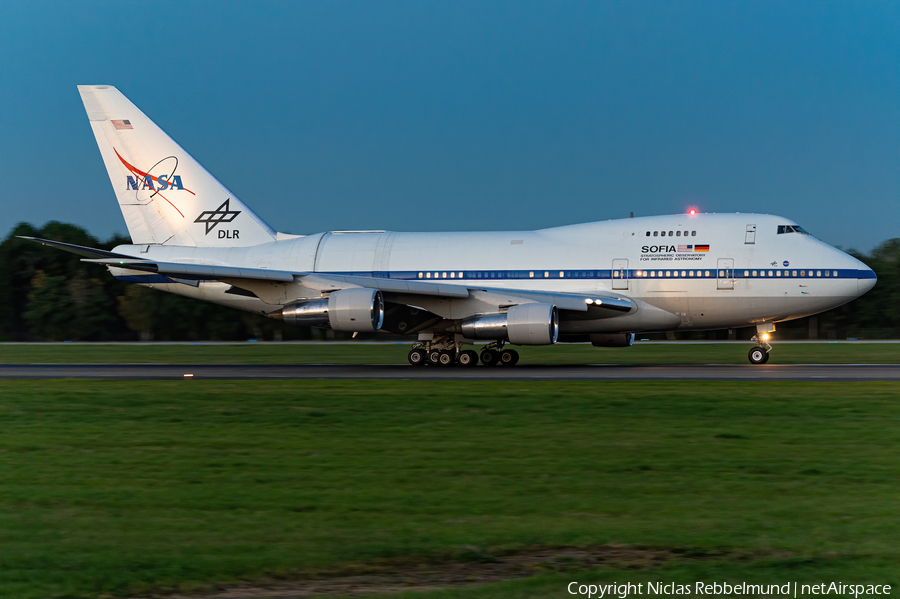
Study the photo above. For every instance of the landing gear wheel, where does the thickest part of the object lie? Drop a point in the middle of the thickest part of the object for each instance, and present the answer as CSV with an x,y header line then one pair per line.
x,y
509,357
434,357
758,355
417,357
446,358
490,357
468,358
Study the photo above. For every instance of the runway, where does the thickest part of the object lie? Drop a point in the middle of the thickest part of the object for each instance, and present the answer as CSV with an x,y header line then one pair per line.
x,y
582,372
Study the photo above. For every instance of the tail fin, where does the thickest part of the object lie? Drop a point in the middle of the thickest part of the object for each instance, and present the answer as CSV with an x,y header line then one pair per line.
x,y
165,195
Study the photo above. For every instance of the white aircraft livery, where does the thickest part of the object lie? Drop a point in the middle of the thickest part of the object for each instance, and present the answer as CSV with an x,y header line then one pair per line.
x,y
600,282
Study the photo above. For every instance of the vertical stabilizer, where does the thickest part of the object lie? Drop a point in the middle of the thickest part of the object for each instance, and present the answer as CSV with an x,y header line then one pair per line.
x,y
165,195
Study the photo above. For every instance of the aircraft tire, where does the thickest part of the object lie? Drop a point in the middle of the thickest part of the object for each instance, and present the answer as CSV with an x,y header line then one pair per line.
x,y
758,355
509,357
490,357
446,358
434,357
417,357
468,358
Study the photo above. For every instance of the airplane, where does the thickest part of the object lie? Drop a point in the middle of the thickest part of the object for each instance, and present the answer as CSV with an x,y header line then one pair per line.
x,y
600,282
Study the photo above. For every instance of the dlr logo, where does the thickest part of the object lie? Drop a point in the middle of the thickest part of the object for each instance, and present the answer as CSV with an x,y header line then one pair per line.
x,y
233,234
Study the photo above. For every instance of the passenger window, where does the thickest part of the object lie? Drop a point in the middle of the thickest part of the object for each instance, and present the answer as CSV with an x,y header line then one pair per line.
x,y
561,274
818,273
677,233
648,233
460,275
660,274
662,233
802,273
670,233
835,273
794,274
547,274
754,273
452,275
693,233
721,273
668,273
705,273
827,273
655,233
746,273
770,273
682,273
690,273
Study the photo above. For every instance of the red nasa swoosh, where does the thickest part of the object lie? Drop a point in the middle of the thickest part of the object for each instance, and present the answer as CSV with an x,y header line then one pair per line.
x,y
142,174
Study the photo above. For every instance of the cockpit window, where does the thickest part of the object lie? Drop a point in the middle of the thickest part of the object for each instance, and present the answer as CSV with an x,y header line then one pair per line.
x,y
782,229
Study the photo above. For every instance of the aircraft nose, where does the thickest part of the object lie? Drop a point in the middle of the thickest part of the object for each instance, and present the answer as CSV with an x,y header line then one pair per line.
x,y
865,278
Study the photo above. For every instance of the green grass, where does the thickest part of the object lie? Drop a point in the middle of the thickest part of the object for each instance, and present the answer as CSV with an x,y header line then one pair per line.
x,y
115,487
261,353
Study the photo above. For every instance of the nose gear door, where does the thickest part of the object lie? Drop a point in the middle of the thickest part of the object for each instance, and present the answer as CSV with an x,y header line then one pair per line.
x,y
725,279
620,273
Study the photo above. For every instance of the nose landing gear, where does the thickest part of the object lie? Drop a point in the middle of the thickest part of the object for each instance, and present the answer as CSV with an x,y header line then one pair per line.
x,y
760,353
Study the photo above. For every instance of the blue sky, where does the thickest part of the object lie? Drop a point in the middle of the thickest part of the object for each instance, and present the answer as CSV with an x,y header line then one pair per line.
x,y
461,115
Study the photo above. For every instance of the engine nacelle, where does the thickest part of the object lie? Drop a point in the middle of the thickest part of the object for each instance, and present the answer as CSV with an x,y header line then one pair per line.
x,y
612,339
356,309
525,324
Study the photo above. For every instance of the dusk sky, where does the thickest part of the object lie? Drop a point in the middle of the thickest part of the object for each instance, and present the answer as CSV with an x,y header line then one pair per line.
x,y
424,115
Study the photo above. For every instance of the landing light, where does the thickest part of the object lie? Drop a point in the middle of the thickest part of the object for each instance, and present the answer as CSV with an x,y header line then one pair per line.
x,y
765,336
589,301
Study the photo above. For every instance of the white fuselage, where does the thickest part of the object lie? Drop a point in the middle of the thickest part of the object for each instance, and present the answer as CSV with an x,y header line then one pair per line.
x,y
709,270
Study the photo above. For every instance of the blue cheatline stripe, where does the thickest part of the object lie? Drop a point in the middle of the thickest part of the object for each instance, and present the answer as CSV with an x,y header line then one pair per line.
x,y
635,274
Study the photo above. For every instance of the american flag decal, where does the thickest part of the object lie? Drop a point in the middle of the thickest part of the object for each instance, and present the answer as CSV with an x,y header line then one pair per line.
x,y
126,124
685,248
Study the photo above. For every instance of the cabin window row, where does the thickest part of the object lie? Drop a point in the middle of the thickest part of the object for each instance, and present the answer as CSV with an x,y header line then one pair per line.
x,y
617,274
671,233
728,273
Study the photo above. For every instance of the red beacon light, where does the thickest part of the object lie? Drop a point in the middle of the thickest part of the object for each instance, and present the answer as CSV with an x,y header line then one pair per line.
x,y
692,211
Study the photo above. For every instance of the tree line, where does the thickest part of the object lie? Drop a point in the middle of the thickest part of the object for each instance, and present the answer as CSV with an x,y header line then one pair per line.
x,y
50,295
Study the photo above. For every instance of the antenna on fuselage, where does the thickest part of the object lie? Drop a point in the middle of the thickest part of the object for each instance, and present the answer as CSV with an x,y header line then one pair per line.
x,y
632,215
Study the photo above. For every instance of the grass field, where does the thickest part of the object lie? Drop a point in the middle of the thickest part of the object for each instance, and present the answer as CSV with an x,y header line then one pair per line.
x,y
121,487
262,353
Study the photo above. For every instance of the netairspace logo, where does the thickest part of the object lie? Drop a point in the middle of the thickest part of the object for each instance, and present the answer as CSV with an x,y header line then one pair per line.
x,y
790,589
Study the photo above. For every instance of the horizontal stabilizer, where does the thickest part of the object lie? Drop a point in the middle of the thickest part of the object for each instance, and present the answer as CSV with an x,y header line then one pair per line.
x,y
76,249
196,271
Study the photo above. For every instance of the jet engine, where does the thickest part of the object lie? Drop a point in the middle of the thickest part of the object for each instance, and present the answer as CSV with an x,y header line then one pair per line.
x,y
525,324
356,309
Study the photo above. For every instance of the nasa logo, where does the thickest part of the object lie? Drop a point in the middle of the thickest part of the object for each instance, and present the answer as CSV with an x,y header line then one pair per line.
x,y
786,263
162,183
654,249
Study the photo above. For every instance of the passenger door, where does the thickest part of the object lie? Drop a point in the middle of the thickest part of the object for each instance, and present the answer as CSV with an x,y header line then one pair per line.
x,y
750,235
620,273
725,278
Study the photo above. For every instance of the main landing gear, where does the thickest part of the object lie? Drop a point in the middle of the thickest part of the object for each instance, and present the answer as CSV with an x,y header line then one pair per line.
x,y
444,351
760,353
